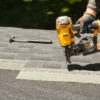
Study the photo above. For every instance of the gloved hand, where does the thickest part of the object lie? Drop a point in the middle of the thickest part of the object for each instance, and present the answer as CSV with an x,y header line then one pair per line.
x,y
85,20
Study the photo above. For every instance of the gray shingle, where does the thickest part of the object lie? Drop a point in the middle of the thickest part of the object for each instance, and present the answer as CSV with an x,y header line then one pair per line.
x,y
7,55
54,64
35,64
22,56
41,57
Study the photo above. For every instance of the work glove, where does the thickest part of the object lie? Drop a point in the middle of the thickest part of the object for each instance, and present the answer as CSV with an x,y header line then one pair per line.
x,y
84,21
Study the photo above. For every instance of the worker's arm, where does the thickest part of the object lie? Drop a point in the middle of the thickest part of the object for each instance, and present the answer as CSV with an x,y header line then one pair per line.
x,y
94,4
89,15
92,9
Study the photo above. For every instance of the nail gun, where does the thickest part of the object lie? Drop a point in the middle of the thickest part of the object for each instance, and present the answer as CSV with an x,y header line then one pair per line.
x,y
67,33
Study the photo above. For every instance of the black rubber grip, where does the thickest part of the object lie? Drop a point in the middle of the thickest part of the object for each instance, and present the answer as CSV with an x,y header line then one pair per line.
x,y
76,27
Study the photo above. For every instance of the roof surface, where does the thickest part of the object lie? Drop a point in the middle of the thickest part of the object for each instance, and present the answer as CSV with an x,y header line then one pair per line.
x,y
35,55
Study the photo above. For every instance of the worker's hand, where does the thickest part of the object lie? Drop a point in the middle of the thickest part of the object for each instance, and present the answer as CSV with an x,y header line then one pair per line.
x,y
85,20
98,45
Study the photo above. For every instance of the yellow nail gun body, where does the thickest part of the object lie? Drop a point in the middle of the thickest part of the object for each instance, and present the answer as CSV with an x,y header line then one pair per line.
x,y
67,32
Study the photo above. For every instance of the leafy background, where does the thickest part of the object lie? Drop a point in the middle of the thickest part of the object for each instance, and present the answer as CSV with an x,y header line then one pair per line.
x,y
38,14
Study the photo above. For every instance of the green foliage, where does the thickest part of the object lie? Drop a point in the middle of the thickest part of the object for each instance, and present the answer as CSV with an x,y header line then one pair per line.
x,y
38,13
